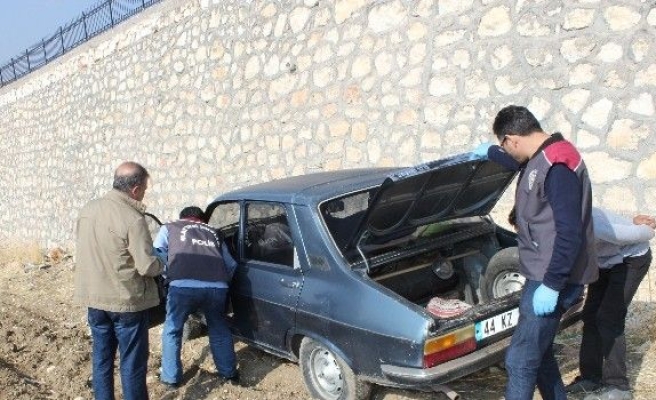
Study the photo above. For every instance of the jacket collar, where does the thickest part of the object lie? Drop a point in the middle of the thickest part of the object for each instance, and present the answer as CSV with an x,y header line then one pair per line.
x,y
118,196
556,137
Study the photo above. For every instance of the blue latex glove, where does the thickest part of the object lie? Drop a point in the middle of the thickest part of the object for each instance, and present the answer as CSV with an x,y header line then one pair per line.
x,y
480,152
544,300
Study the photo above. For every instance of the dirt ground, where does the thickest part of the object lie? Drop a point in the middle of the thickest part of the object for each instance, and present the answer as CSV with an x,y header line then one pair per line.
x,y
45,351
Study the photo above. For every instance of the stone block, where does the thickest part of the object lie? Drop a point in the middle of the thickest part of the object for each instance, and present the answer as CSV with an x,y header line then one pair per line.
x,y
495,22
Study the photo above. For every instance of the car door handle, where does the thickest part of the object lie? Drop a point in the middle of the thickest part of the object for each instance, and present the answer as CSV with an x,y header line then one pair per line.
x,y
290,284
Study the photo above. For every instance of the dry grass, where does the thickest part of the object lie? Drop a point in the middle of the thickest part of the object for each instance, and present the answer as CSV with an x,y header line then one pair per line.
x,y
21,252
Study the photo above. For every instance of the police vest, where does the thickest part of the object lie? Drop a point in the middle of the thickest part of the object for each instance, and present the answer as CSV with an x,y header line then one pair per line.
x,y
195,252
535,217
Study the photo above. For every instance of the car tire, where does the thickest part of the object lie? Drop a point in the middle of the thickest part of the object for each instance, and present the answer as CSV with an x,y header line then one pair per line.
x,y
327,376
501,277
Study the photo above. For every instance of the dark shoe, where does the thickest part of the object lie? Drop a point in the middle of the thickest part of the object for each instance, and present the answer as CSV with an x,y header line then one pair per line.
x,y
610,393
169,385
233,379
580,385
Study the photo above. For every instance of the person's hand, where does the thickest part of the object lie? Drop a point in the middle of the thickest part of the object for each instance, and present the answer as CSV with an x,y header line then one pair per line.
x,y
544,300
480,152
157,252
642,219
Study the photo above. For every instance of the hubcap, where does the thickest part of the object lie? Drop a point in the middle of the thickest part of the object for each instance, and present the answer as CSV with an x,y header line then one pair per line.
x,y
327,373
507,283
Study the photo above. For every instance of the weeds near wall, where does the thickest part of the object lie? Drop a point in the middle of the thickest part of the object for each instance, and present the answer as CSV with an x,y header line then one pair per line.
x,y
21,252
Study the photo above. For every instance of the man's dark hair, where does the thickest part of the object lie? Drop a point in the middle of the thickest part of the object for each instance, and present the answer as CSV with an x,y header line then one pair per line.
x,y
515,120
192,212
128,175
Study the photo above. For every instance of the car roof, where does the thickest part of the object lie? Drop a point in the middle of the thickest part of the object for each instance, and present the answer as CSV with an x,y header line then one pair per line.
x,y
312,188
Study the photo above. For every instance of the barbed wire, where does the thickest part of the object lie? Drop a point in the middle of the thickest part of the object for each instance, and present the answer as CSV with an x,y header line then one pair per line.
x,y
92,22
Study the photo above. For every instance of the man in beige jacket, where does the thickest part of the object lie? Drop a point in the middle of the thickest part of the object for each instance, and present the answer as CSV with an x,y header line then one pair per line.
x,y
114,274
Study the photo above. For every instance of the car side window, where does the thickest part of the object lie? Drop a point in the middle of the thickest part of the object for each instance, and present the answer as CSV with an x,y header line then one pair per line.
x,y
268,237
225,219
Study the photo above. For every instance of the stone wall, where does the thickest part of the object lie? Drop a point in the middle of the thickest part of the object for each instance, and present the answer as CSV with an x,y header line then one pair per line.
x,y
211,95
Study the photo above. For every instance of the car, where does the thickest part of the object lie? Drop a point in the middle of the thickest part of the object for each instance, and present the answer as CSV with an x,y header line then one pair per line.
x,y
375,276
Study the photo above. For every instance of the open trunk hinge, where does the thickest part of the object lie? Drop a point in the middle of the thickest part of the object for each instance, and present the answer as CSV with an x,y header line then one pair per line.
x,y
364,258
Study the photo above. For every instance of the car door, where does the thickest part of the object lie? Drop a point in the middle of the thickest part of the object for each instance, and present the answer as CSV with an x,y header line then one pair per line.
x,y
267,283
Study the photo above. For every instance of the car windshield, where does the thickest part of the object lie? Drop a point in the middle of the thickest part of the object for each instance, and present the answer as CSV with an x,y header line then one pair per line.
x,y
343,217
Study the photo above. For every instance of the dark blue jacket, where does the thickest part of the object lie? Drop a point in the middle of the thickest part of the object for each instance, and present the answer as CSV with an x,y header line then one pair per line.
x,y
553,204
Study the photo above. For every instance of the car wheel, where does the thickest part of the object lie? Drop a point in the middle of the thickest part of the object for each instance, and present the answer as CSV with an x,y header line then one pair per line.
x,y
501,277
327,376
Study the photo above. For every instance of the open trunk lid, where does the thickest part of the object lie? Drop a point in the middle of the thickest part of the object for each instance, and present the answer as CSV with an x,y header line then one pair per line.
x,y
430,193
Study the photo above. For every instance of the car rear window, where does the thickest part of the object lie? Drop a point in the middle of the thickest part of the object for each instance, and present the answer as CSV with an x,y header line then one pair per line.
x,y
344,215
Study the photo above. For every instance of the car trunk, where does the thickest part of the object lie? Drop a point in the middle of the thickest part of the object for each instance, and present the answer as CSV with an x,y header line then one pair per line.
x,y
426,234
450,265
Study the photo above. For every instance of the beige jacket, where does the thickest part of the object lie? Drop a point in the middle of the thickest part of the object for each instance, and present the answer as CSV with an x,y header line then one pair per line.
x,y
115,265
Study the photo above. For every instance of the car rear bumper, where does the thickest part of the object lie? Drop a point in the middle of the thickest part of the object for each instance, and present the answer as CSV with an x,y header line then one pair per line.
x,y
464,365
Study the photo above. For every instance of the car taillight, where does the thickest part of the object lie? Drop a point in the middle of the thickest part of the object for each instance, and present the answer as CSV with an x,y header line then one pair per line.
x,y
447,347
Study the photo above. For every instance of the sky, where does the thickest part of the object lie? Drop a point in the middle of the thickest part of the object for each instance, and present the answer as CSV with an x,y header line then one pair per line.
x,y
24,23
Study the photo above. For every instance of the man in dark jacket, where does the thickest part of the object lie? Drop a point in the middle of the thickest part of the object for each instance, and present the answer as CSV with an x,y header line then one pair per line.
x,y
553,201
199,269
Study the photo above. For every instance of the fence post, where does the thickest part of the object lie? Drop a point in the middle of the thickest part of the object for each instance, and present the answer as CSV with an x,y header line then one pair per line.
x,y
27,57
45,55
143,3
111,14
84,23
61,36
13,67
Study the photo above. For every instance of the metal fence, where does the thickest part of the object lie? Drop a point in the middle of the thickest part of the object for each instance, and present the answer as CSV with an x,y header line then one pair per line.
x,y
93,22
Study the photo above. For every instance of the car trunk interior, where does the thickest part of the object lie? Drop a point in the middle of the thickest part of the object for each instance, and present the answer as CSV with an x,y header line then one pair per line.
x,y
449,267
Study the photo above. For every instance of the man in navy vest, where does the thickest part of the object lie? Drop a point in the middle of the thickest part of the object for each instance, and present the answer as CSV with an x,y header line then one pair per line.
x,y
199,269
553,202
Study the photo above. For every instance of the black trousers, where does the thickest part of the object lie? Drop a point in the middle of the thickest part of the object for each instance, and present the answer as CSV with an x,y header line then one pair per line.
x,y
602,357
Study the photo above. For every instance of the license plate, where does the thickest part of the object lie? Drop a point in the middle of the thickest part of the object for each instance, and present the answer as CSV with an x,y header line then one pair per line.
x,y
497,324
